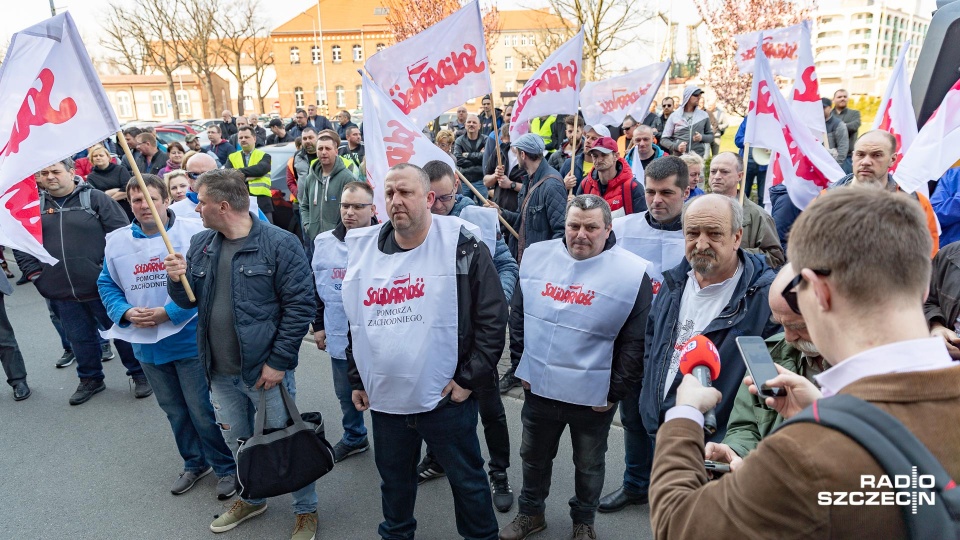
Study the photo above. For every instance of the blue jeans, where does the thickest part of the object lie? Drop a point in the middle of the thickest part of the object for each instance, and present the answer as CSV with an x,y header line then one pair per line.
x,y
450,430
638,450
181,391
81,322
234,404
544,421
354,432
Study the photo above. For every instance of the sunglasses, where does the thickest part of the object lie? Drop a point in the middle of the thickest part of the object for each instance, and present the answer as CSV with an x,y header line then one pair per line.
x,y
446,198
789,293
193,175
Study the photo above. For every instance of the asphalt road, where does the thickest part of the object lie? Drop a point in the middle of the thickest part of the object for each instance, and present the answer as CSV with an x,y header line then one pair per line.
x,y
104,469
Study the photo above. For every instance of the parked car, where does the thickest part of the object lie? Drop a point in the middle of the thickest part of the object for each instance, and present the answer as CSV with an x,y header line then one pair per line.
x,y
279,155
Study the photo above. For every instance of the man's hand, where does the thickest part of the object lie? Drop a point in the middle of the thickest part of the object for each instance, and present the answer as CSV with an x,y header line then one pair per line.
x,y
175,265
697,137
269,378
800,393
490,204
604,409
499,170
360,400
702,398
459,395
321,337
950,338
569,181
503,181
722,453
524,384
120,195
146,317
682,147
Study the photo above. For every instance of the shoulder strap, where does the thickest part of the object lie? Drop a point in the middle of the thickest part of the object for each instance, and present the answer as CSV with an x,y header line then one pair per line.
x,y
85,203
899,453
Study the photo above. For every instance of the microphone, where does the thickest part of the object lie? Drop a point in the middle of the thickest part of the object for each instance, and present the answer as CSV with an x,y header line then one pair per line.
x,y
701,359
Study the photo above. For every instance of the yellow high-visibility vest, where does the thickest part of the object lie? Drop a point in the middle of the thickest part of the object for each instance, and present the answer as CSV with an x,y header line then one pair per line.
x,y
544,128
259,187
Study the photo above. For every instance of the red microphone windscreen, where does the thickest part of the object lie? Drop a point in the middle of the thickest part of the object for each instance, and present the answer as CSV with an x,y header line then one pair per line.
x,y
700,351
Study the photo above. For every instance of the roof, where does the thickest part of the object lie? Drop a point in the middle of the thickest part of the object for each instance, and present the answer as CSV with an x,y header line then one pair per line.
x,y
151,80
529,19
338,16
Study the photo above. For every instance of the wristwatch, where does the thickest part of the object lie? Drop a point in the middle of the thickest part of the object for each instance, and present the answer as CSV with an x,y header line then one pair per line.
x,y
513,186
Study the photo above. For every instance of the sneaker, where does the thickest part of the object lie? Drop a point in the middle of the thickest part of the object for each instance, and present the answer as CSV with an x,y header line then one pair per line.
x,y
523,526
141,388
67,359
226,487
237,514
502,494
306,527
428,469
106,353
342,450
582,531
187,479
508,381
86,390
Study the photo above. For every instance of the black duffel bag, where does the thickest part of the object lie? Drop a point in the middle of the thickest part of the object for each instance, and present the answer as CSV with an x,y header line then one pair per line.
x,y
279,461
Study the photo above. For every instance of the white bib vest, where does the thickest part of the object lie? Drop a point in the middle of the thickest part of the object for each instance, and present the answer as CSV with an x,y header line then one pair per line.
x,y
329,268
663,249
402,310
186,208
572,313
136,265
486,219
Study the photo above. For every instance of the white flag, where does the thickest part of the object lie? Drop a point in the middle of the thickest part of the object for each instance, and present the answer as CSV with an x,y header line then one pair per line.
x,y
806,87
896,114
391,138
609,101
936,148
781,47
437,69
553,89
54,106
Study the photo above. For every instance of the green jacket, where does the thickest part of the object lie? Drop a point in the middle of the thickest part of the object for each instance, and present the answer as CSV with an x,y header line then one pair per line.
x,y
750,420
320,197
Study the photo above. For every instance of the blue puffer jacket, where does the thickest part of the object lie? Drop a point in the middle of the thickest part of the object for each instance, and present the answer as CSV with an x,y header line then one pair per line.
x,y
507,268
946,203
272,296
783,211
747,314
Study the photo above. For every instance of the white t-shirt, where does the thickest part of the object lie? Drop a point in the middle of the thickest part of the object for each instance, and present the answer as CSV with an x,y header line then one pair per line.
x,y
698,308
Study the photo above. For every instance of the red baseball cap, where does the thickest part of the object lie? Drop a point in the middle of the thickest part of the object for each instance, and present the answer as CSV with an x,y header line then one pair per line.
x,y
604,145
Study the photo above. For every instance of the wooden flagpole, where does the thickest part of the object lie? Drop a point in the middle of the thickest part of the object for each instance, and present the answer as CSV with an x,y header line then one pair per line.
x,y
484,200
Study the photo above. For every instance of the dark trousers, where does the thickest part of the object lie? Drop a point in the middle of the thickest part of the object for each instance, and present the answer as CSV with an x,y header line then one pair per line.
x,y
495,431
638,452
451,431
544,421
10,355
81,322
59,328
754,174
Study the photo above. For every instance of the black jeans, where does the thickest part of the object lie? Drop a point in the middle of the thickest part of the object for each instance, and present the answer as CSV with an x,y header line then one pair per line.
x,y
637,447
451,431
81,322
544,421
10,355
754,174
495,431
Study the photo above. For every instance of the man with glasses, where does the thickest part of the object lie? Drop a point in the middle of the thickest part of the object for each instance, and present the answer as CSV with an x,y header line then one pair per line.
x,y
151,159
300,122
718,290
862,258
688,129
661,120
613,180
330,326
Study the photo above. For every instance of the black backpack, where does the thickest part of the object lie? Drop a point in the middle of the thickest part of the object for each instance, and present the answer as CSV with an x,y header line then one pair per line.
x,y
84,205
899,452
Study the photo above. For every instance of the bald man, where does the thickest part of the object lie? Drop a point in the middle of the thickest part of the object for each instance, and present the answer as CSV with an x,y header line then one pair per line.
x,y
759,229
187,208
793,349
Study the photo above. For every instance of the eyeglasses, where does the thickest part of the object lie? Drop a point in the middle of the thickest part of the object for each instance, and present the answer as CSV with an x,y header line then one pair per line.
x,y
789,293
194,175
446,198
354,206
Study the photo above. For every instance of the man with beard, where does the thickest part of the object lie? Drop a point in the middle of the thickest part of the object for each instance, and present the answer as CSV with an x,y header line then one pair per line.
x,y
720,291
750,420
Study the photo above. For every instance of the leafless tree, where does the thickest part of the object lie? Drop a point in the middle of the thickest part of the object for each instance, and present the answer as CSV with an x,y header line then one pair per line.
x,y
261,57
128,53
238,30
196,34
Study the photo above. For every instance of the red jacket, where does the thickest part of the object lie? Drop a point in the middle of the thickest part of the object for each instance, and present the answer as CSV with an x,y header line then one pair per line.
x,y
623,192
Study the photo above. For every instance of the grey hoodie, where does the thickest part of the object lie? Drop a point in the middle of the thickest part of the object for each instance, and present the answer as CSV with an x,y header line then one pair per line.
x,y
678,129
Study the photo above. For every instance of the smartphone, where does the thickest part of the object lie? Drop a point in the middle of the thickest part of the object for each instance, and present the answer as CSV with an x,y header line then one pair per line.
x,y
759,363
716,467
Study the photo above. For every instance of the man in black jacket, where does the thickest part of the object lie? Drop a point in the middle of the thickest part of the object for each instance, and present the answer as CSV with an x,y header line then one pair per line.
x,y
255,301
577,329
75,221
151,158
419,388
468,151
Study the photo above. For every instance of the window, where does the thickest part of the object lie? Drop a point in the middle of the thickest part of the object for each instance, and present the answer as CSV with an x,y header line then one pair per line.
x,y
158,104
298,96
318,95
381,11
337,57
183,102
359,97
341,97
514,40
357,53
248,103
294,55
506,41
523,39
315,54
380,47
509,86
123,104
508,63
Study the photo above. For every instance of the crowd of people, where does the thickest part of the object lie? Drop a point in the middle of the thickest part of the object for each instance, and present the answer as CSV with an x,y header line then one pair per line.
x,y
593,254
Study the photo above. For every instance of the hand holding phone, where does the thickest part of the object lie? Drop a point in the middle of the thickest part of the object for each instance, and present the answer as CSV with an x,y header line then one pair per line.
x,y
716,467
759,363
798,392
